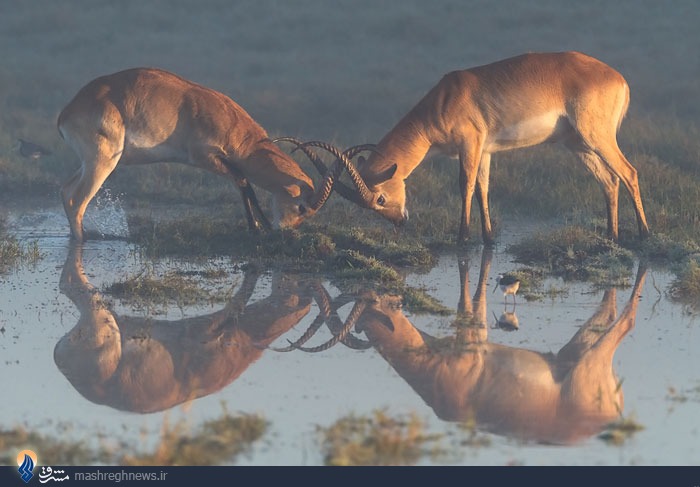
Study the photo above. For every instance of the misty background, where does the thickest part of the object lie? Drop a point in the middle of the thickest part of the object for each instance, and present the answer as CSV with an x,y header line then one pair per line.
x,y
344,70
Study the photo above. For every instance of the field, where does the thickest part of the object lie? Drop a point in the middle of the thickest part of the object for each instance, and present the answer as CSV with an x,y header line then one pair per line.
x,y
345,72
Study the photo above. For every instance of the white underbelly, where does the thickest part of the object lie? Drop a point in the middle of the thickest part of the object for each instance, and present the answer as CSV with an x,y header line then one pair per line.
x,y
146,148
528,132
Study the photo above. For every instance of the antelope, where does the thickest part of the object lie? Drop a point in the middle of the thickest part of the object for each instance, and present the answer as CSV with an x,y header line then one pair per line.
x,y
565,97
140,364
560,398
146,115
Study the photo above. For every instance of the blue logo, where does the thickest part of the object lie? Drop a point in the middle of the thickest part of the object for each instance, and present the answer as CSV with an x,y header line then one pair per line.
x,y
26,459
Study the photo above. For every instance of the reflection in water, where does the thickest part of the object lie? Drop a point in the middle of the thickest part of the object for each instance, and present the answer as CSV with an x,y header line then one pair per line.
x,y
145,365
557,398
551,398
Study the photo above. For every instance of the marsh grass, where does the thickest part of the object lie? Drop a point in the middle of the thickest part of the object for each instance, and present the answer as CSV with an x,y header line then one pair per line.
x,y
686,287
215,442
353,258
14,253
575,253
377,440
58,48
148,291
51,450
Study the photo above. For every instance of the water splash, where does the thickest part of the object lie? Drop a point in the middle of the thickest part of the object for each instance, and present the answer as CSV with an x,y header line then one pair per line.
x,y
106,217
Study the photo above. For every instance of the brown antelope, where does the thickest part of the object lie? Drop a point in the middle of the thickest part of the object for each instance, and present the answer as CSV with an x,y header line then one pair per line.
x,y
565,97
141,364
557,398
144,115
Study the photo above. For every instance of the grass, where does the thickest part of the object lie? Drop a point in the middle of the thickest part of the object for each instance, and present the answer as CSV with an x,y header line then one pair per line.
x,y
376,440
14,253
686,287
297,94
216,442
575,253
148,291
51,450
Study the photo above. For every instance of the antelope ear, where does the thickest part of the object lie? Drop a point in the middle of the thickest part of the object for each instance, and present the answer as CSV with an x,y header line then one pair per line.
x,y
293,190
385,175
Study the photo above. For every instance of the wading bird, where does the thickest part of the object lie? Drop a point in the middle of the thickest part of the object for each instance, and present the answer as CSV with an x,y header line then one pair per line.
x,y
565,97
144,115
509,286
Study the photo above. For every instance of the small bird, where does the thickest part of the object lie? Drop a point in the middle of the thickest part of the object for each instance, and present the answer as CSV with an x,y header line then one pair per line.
x,y
32,150
509,285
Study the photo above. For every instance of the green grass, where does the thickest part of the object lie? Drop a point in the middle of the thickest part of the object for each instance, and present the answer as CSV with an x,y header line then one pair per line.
x,y
14,253
577,254
146,290
686,287
215,442
376,440
300,92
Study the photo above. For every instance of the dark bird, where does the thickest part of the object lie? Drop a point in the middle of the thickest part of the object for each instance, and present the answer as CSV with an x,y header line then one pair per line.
x,y
32,150
509,285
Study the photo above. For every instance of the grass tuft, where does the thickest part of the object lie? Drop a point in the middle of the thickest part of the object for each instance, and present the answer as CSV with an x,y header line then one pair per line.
x,y
376,440
574,253
686,287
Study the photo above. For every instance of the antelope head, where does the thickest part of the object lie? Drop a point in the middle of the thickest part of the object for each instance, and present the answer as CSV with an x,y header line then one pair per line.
x,y
383,191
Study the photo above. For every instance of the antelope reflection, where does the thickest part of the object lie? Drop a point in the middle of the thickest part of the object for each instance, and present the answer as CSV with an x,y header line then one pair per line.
x,y
550,398
145,365
557,398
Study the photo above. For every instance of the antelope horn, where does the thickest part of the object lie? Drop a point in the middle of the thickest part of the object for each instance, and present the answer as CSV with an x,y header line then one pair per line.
x,y
341,188
335,324
313,157
355,313
351,152
323,300
325,188
364,193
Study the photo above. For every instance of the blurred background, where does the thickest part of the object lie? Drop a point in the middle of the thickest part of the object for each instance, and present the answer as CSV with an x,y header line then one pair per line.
x,y
343,71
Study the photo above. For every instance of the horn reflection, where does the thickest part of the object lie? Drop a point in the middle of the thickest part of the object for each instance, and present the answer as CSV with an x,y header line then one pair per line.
x,y
558,398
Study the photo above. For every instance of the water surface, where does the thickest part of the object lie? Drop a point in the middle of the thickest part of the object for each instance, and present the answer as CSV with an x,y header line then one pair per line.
x,y
78,363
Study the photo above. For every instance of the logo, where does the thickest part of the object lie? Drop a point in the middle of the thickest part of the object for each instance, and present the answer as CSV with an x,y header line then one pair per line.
x,y
26,459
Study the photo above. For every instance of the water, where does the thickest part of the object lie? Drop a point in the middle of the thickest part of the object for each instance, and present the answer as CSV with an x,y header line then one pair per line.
x,y
76,360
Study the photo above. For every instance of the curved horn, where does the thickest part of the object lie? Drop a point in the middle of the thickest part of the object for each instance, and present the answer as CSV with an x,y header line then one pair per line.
x,y
355,313
341,188
351,152
323,300
364,192
313,157
319,198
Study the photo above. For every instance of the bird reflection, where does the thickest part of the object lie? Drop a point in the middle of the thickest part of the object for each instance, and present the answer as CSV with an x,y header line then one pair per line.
x,y
508,321
145,365
555,398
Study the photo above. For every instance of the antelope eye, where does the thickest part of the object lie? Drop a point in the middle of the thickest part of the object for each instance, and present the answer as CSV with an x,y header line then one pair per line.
x,y
302,209
381,201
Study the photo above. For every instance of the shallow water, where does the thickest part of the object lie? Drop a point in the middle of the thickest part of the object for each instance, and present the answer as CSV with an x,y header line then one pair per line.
x,y
78,361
